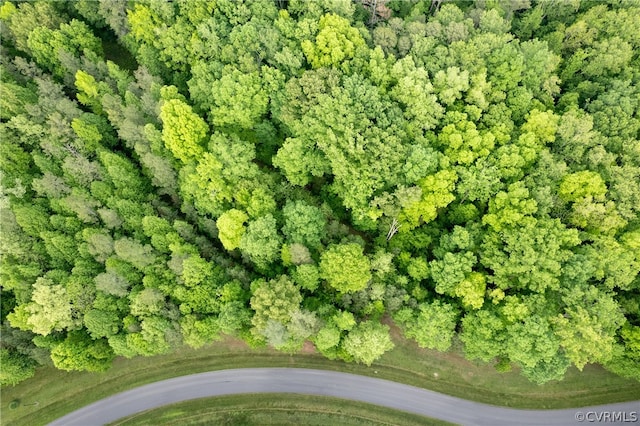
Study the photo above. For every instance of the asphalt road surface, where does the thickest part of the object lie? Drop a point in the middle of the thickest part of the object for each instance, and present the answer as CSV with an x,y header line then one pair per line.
x,y
341,385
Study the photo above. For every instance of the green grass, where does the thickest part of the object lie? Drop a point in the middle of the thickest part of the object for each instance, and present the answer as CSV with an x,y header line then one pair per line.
x,y
274,409
53,393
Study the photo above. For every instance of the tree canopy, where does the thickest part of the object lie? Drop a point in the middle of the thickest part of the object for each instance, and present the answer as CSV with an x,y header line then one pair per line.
x,y
299,171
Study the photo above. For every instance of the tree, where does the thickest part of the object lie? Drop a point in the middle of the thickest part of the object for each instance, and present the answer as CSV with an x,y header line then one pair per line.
x,y
183,131
27,17
101,323
135,253
590,315
16,367
79,352
327,338
275,301
299,162
197,332
303,224
234,317
627,353
345,267
302,325
436,193
15,99
112,283
307,276
238,99
261,242
335,43
147,302
469,170
153,337
196,271
125,177
415,91
231,228
33,219
582,184
464,144
530,256
531,342
433,327
296,254
452,270
483,335
367,342
75,38
49,310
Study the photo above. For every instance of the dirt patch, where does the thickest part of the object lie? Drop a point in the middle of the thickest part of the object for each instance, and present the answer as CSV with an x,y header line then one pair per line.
x,y
234,344
308,348
394,330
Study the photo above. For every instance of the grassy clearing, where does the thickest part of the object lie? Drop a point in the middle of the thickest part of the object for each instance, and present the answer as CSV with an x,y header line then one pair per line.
x,y
275,409
53,393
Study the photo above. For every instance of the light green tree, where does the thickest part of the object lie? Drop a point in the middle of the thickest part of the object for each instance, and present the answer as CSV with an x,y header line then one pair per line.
x,y
367,342
231,228
183,131
433,327
261,242
345,267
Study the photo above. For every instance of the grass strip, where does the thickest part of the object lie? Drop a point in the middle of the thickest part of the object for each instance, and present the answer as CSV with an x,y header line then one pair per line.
x,y
53,393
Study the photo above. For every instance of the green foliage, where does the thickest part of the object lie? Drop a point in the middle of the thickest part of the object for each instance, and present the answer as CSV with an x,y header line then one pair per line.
x,y
307,276
198,332
470,171
582,184
531,256
304,224
16,367
345,267
25,18
183,131
433,327
591,315
274,302
101,323
48,311
124,176
78,352
74,38
626,355
327,338
112,283
135,253
436,193
335,43
261,241
482,335
367,342
231,228
238,99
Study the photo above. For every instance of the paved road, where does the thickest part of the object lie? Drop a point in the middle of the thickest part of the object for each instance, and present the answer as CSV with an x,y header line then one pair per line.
x,y
341,385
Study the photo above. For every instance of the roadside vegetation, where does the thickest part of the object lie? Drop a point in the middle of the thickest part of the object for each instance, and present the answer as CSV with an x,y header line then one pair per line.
x,y
51,393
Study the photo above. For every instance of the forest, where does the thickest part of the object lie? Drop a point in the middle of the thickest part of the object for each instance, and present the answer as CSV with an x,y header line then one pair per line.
x,y
290,171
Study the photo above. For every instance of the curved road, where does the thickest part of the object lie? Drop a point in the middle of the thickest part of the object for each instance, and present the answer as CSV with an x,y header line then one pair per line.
x,y
341,385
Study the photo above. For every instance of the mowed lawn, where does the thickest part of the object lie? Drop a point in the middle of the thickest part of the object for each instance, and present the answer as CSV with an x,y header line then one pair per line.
x,y
53,393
